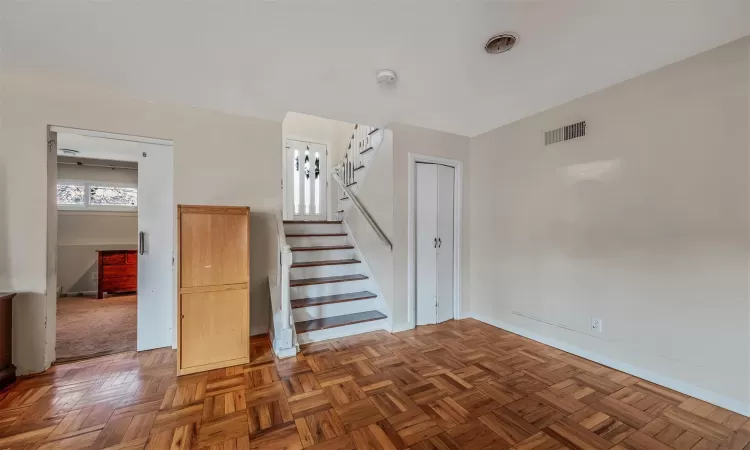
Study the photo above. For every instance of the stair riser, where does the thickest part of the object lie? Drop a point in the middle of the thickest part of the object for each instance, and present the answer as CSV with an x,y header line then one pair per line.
x,y
325,271
322,255
319,290
339,332
331,310
312,228
316,241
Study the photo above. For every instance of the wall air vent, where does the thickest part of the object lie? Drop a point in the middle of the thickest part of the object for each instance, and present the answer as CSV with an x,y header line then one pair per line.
x,y
565,133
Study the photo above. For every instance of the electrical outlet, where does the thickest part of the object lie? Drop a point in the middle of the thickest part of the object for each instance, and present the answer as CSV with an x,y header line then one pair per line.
x,y
596,324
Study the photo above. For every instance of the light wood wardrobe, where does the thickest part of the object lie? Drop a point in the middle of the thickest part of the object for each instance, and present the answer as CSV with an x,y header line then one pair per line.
x,y
214,291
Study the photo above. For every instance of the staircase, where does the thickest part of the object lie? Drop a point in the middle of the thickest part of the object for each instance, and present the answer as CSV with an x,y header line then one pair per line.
x,y
331,294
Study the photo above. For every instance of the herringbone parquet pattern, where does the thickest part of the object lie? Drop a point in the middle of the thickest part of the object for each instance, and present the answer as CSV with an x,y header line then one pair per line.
x,y
458,385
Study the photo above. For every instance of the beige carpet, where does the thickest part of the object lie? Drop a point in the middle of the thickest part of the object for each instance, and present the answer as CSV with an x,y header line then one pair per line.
x,y
89,327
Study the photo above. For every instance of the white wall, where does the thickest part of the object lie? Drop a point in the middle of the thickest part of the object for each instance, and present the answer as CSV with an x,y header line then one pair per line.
x,y
642,223
81,233
333,133
219,159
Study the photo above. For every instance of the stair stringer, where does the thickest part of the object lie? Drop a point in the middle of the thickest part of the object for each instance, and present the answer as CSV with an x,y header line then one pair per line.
x,y
380,302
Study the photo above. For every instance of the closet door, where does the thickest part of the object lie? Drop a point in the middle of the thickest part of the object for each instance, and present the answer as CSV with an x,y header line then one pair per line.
x,y
426,227
444,265
214,302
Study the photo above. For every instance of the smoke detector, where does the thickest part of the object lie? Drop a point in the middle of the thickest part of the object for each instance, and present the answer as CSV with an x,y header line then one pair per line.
x,y
500,43
386,76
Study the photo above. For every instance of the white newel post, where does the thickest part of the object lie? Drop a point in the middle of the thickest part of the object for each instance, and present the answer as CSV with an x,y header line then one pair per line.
x,y
286,330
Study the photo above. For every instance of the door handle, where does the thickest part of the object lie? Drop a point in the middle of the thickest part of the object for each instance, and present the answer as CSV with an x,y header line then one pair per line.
x,y
440,242
141,242
434,243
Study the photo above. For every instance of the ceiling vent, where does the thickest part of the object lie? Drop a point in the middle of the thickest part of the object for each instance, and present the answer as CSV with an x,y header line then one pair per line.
x,y
500,43
565,133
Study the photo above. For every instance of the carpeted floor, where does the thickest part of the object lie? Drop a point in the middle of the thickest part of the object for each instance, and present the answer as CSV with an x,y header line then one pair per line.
x,y
89,327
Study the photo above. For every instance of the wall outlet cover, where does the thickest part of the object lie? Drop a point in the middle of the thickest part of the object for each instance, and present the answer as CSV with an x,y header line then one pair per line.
x,y
596,324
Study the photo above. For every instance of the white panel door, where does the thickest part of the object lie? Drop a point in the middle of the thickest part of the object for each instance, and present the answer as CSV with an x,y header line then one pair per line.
x,y
426,262
156,213
306,169
445,205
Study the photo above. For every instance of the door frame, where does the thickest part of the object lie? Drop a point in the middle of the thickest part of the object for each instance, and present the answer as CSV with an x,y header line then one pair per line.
x,y
287,207
132,154
413,159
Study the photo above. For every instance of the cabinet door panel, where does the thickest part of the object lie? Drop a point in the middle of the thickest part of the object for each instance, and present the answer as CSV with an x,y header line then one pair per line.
x,y
213,249
427,233
214,327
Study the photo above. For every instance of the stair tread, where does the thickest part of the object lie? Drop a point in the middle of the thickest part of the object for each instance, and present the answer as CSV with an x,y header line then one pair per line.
x,y
338,321
330,262
330,299
326,280
374,130
312,221
316,235
362,166
321,248
365,150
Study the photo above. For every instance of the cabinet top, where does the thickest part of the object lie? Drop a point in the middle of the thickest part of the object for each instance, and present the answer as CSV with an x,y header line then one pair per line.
x,y
7,295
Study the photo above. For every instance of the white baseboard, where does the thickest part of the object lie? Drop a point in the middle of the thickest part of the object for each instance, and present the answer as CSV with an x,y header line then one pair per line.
x,y
401,327
692,390
78,293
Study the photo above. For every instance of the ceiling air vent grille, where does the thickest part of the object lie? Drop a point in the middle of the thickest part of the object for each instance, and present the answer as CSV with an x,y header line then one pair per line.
x,y
565,133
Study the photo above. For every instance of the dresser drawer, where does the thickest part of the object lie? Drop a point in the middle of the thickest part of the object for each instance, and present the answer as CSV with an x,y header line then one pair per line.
x,y
121,284
113,258
120,270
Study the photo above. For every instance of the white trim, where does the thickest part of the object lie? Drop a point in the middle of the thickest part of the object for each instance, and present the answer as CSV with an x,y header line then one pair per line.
x,y
285,353
411,241
107,135
686,388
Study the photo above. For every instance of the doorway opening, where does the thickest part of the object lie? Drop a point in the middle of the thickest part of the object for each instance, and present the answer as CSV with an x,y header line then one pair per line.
x,y
111,235
97,243
434,244
311,147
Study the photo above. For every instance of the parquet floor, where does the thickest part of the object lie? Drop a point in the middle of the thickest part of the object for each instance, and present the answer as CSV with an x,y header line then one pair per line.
x,y
458,385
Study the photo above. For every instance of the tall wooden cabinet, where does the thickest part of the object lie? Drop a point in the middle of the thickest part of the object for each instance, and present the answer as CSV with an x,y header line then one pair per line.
x,y
214,291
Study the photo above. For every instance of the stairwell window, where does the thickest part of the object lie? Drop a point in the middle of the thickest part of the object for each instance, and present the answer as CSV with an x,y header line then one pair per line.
x,y
296,182
96,196
307,182
317,183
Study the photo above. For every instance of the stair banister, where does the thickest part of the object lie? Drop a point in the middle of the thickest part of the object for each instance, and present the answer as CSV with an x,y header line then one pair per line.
x,y
362,209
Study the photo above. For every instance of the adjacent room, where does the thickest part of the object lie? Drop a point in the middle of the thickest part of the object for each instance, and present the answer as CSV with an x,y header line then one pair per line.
x,y
97,244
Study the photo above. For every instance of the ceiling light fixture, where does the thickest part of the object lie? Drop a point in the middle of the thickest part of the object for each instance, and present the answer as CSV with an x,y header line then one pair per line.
x,y
69,151
500,43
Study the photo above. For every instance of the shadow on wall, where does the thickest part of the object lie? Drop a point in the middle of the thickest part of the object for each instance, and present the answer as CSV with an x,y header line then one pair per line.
x,y
4,231
262,250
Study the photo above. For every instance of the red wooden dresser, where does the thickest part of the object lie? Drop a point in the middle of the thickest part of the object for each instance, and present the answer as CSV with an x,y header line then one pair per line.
x,y
118,271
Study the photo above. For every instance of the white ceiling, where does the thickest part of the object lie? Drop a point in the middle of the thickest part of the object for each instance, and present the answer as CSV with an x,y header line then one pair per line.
x,y
264,58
